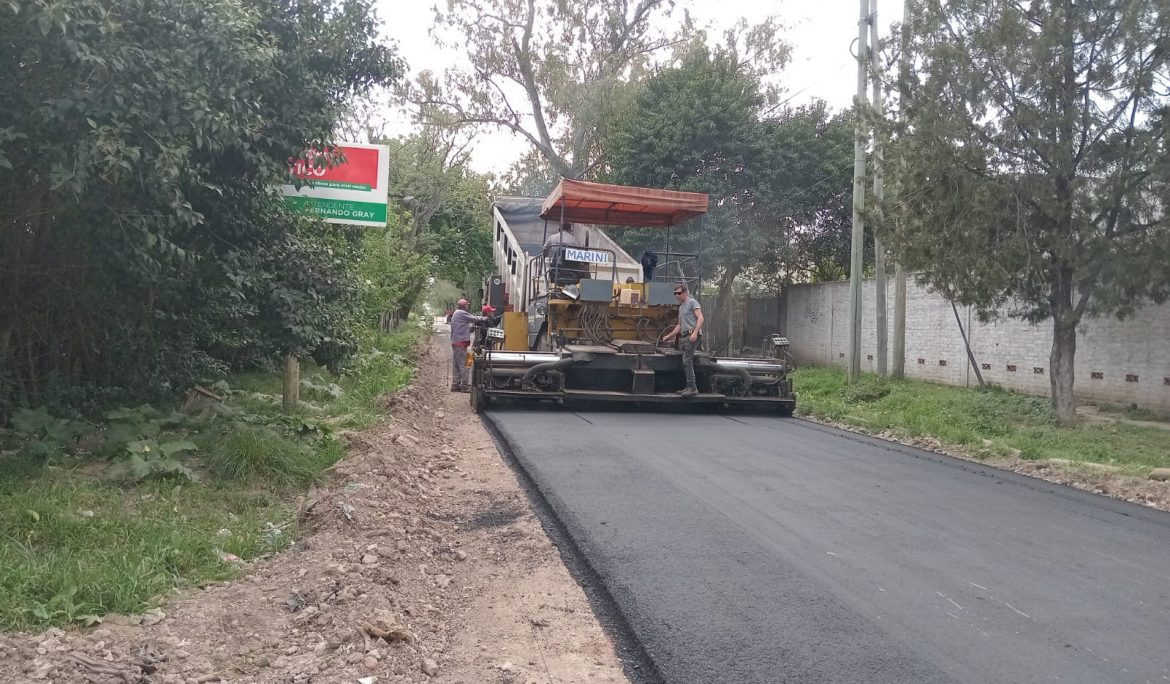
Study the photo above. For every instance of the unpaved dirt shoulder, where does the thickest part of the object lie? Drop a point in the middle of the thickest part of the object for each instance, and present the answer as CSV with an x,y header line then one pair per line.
x,y
420,561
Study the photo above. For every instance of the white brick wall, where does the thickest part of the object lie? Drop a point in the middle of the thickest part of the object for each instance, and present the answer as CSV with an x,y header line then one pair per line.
x,y
817,320
810,318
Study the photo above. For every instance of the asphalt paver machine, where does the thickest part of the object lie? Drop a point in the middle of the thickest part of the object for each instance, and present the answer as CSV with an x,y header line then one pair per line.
x,y
591,335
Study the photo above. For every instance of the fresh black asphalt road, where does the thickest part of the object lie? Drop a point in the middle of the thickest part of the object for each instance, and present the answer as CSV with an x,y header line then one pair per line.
x,y
755,549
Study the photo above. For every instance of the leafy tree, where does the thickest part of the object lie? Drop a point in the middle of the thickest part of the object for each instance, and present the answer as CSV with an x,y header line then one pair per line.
x,y
142,244
693,127
393,273
1036,155
556,73
530,176
777,184
461,234
538,65
442,296
804,184
425,168
447,212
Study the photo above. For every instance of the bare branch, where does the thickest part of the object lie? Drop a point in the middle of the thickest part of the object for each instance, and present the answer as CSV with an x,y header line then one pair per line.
x,y
524,60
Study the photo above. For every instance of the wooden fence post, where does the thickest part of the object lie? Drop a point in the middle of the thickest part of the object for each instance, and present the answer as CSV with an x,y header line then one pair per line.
x,y
292,381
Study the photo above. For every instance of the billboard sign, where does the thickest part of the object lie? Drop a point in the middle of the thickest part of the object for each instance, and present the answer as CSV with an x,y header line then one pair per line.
x,y
351,193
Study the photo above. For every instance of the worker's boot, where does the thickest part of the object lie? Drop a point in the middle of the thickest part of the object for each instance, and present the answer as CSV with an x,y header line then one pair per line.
x,y
690,391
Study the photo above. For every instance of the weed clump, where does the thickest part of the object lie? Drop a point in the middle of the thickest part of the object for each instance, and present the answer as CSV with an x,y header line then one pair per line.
x,y
868,389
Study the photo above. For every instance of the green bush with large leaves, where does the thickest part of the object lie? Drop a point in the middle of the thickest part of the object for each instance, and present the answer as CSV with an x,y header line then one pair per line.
x,y
142,244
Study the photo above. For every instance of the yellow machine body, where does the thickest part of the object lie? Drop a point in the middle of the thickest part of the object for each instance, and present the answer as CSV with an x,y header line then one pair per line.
x,y
625,317
515,331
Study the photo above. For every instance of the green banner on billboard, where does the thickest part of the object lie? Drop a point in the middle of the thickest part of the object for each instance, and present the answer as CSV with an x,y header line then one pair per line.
x,y
362,213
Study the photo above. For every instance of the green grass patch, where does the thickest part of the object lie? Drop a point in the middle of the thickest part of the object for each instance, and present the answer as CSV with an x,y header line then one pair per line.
x,y
1129,413
387,367
265,454
346,399
76,543
966,417
73,548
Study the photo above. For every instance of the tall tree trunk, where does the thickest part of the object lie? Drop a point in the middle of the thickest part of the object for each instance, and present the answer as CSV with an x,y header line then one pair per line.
x,y
1060,362
1064,317
717,327
402,314
6,343
7,377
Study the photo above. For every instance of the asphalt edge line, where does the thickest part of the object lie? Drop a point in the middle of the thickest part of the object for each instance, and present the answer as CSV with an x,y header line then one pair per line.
x,y
1033,482
637,664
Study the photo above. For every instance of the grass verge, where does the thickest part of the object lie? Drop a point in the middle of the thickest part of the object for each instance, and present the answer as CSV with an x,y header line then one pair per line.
x,y
76,545
346,399
1010,421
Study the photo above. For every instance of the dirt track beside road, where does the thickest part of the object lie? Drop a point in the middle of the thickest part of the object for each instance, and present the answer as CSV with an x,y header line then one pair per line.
x,y
420,560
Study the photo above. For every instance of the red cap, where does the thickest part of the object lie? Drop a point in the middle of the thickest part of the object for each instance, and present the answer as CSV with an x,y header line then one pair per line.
x,y
487,310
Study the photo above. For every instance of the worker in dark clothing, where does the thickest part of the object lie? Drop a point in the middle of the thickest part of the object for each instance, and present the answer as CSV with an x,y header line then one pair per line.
x,y
491,320
649,263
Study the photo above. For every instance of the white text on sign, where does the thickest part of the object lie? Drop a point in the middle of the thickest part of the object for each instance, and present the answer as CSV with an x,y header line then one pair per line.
x,y
588,256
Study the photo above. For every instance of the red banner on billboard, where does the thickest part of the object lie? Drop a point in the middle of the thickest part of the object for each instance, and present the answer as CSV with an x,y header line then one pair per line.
x,y
358,171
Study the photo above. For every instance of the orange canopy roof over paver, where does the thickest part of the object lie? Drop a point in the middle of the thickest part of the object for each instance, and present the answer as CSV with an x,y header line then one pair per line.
x,y
620,205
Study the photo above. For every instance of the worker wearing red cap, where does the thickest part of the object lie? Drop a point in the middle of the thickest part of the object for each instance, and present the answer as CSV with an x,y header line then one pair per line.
x,y
461,321
489,314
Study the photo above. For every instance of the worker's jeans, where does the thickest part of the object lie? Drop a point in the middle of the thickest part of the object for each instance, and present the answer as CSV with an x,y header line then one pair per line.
x,y
688,356
458,365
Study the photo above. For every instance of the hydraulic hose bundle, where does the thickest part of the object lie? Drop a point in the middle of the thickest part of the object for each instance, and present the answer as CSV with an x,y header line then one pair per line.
x,y
594,322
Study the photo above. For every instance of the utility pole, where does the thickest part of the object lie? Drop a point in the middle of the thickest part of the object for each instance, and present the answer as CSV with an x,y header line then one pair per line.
x,y
856,261
879,252
899,272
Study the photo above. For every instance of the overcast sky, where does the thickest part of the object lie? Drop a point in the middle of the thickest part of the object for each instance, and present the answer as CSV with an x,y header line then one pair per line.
x,y
820,31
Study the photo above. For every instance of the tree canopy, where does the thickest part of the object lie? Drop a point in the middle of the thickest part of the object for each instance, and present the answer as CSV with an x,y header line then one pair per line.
x,y
779,178
1035,148
142,240
558,74
447,212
